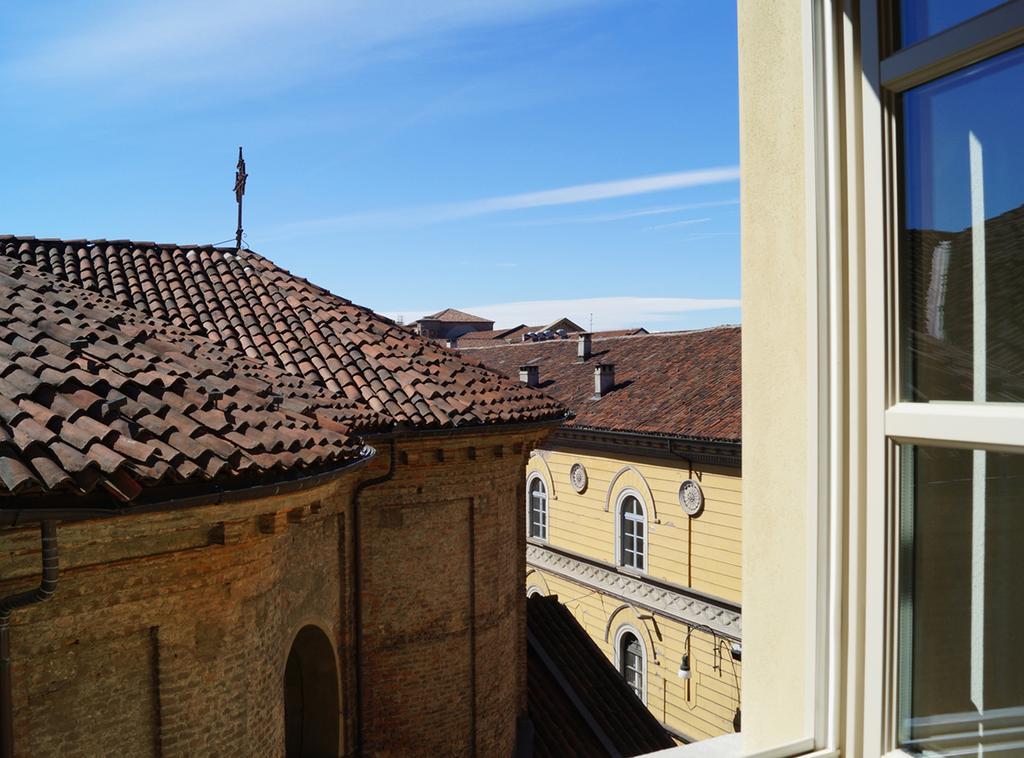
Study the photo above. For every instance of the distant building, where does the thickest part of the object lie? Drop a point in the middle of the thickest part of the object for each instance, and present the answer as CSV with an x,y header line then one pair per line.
x,y
557,330
633,510
450,324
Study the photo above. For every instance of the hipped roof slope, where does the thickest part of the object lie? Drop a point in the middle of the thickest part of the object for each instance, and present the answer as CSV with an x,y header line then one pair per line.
x,y
96,396
246,303
679,384
579,704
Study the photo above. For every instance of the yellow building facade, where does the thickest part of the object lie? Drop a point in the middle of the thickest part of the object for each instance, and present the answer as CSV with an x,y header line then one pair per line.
x,y
639,533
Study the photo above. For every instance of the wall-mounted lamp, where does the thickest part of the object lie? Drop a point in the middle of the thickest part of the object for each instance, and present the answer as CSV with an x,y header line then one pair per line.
x,y
684,667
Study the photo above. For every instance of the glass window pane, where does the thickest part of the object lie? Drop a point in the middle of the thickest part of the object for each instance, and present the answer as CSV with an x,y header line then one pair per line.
x,y
631,661
961,261
630,506
961,658
923,18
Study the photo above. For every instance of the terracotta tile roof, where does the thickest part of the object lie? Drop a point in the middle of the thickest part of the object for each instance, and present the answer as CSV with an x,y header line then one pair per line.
x,y
95,395
622,332
682,384
245,303
578,702
493,334
451,314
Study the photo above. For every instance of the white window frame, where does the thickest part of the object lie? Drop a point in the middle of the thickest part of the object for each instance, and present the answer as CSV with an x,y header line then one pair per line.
x,y
630,492
963,425
856,417
536,477
619,634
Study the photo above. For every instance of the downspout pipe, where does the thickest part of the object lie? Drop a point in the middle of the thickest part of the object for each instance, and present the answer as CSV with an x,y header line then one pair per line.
x,y
357,605
47,586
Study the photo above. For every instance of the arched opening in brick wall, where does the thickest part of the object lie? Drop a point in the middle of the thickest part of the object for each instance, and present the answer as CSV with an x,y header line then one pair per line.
x,y
311,707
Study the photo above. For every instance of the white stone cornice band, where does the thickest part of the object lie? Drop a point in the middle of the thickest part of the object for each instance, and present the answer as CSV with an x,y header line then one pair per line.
x,y
675,605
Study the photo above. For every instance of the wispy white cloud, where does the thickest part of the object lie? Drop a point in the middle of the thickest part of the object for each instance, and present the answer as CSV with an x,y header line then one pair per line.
x,y
200,42
684,222
607,312
624,215
579,193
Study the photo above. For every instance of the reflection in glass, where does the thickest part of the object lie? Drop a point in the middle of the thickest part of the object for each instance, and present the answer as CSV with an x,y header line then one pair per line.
x,y
923,18
961,260
632,657
538,506
961,681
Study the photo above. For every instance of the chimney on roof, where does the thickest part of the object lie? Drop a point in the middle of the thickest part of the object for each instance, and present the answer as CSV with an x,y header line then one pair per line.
x,y
604,379
529,375
583,347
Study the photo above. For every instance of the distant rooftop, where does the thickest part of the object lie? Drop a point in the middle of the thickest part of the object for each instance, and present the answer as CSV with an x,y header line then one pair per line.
x,y
521,334
678,384
451,314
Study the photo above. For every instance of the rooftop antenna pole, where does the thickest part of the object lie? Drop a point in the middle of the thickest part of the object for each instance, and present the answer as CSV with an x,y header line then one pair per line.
x,y
240,177
591,320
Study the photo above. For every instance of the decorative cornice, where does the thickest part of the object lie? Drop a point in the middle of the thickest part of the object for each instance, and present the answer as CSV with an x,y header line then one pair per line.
x,y
678,449
663,600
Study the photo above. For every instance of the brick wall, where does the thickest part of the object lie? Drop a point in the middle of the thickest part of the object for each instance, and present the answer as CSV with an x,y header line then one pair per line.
x,y
443,611
169,632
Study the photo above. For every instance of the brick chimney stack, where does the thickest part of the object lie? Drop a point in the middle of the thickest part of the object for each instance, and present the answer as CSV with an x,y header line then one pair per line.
x,y
604,379
529,375
583,347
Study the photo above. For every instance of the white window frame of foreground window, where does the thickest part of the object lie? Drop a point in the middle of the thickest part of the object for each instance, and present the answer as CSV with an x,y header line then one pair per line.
x,y
891,422
535,477
619,633
854,419
646,554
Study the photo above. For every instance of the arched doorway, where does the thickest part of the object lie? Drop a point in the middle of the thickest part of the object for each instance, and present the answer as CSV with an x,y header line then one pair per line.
x,y
311,712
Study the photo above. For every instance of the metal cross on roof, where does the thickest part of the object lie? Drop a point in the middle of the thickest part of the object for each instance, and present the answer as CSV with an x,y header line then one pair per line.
x,y
240,177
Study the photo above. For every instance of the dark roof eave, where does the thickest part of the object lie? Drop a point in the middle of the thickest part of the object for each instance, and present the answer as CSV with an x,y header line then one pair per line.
x,y
658,435
404,432
21,513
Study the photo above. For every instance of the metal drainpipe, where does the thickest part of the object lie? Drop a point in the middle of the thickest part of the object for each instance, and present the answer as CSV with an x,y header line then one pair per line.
x,y
47,586
357,609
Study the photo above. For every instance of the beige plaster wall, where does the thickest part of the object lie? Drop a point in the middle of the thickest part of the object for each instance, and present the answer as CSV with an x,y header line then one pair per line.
x,y
775,372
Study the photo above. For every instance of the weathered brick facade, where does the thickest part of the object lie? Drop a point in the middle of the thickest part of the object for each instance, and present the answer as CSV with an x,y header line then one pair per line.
x,y
169,631
443,615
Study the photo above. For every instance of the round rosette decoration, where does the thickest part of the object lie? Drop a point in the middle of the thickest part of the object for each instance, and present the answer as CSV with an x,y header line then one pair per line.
x,y
691,497
578,477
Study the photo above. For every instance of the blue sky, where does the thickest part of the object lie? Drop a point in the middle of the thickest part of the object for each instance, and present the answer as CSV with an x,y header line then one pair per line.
x,y
522,159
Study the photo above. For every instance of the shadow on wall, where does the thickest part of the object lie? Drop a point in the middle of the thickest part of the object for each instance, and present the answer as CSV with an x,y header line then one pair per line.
x,y
311,705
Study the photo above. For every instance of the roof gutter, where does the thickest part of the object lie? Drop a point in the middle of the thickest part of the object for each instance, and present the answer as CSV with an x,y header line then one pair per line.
x,y
14,517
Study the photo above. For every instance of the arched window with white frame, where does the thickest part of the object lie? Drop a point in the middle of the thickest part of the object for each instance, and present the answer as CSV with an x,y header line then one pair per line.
x,y
631,660
536,508
632,532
